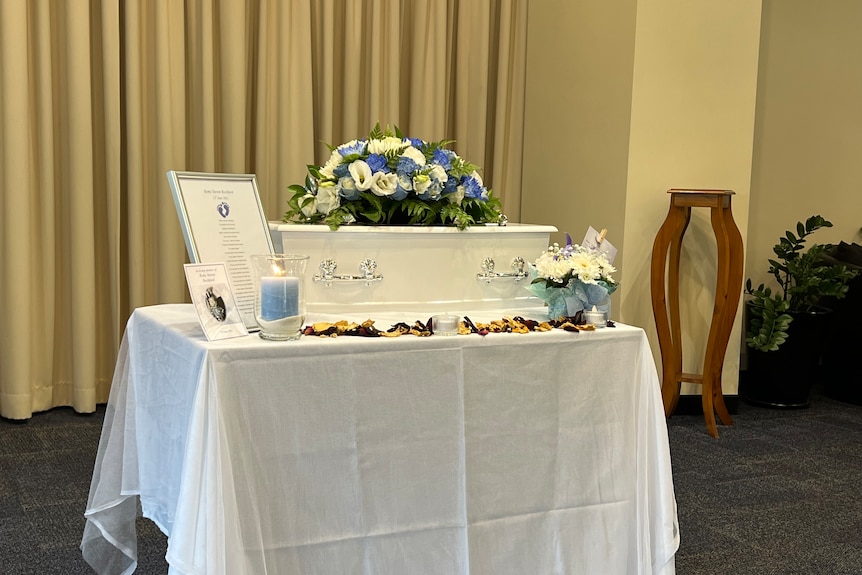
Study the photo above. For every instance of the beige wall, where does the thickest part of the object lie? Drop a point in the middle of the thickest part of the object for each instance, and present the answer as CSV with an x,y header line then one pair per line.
x,y
626,100
578,102
808,136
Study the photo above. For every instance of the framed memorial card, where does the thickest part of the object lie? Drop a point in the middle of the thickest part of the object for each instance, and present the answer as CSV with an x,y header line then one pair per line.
x,y
223,222
214,301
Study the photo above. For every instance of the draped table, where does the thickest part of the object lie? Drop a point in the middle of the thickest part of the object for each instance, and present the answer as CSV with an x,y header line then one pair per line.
x,y
503,454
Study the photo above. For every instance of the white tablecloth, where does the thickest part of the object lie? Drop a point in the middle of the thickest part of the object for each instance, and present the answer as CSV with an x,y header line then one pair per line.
x,y
506,454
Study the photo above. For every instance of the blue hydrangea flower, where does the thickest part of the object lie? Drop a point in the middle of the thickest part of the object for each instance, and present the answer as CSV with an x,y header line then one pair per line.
x,y
377,163
451,186
472,187
443,157
406,166
417,143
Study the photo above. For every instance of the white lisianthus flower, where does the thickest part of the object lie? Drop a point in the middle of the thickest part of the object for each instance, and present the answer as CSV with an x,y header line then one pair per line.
x,y
421,182
384,184
415,155
387,144
327,197
439,174
328,169
310,208
361,173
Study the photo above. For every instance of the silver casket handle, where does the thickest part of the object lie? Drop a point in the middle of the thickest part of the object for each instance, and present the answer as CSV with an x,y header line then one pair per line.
x,y
367,273
489,274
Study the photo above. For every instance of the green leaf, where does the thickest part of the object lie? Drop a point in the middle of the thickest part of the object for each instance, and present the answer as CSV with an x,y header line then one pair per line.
x,y
376,133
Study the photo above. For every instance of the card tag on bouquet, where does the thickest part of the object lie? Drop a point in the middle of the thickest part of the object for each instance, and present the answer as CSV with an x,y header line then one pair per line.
x,y
595,240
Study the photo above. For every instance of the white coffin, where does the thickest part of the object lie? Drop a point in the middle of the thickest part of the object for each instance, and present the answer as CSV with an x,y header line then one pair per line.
x,y
423,268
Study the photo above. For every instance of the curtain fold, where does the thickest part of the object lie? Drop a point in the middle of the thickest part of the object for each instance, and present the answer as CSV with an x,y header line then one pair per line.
x,y
98,99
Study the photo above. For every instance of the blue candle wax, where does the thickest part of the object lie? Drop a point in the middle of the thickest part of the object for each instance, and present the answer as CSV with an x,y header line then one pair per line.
x,y
279,297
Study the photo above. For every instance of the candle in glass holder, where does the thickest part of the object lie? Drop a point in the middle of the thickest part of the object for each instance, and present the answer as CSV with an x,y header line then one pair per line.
x,y
279,297
445,324
279,303
596,317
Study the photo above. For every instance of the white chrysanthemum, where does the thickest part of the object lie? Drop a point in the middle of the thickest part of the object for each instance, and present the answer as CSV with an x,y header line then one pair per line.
x,y
361,173
585,265
387,144
327,197
415,155
309,209
328,169
351,147
551,266
384,184
585,268
605,268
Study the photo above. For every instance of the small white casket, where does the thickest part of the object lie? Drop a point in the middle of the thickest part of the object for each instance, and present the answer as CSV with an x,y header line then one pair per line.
x,y
414,268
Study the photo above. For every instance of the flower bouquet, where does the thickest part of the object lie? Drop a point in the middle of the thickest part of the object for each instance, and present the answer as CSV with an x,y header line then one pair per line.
x,y
390,179
572,278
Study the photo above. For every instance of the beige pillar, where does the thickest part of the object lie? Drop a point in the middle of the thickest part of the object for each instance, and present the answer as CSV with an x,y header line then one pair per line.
x,y
625,100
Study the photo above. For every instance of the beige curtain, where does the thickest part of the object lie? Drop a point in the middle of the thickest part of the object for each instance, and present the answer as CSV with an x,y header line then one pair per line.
x,y
99,98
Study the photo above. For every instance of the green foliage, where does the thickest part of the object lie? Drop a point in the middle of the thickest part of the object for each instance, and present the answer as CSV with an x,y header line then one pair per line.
x,y
767,320
804,280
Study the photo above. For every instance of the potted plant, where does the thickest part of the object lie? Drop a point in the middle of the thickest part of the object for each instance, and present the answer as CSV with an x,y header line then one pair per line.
x,y
785,327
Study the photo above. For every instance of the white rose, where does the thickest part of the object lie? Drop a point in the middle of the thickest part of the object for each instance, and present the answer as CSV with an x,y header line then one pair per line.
x,y
361,173
414,155
327,197
405,182
439,174
384,184
309,208
457,196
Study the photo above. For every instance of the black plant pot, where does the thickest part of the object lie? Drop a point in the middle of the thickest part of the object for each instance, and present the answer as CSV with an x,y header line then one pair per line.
x,y
784,378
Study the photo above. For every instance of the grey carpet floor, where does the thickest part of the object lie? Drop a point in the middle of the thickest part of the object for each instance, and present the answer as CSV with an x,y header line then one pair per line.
x,y
780,492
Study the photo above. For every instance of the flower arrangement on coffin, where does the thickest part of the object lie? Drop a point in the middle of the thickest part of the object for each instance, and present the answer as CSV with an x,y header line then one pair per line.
x,y
390,179
572,278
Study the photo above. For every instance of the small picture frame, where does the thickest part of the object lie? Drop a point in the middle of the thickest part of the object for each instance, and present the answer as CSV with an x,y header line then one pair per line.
x,y
214,301
223,221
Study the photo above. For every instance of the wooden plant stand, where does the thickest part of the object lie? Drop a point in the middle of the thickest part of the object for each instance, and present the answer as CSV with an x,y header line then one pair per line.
x,y
664,288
